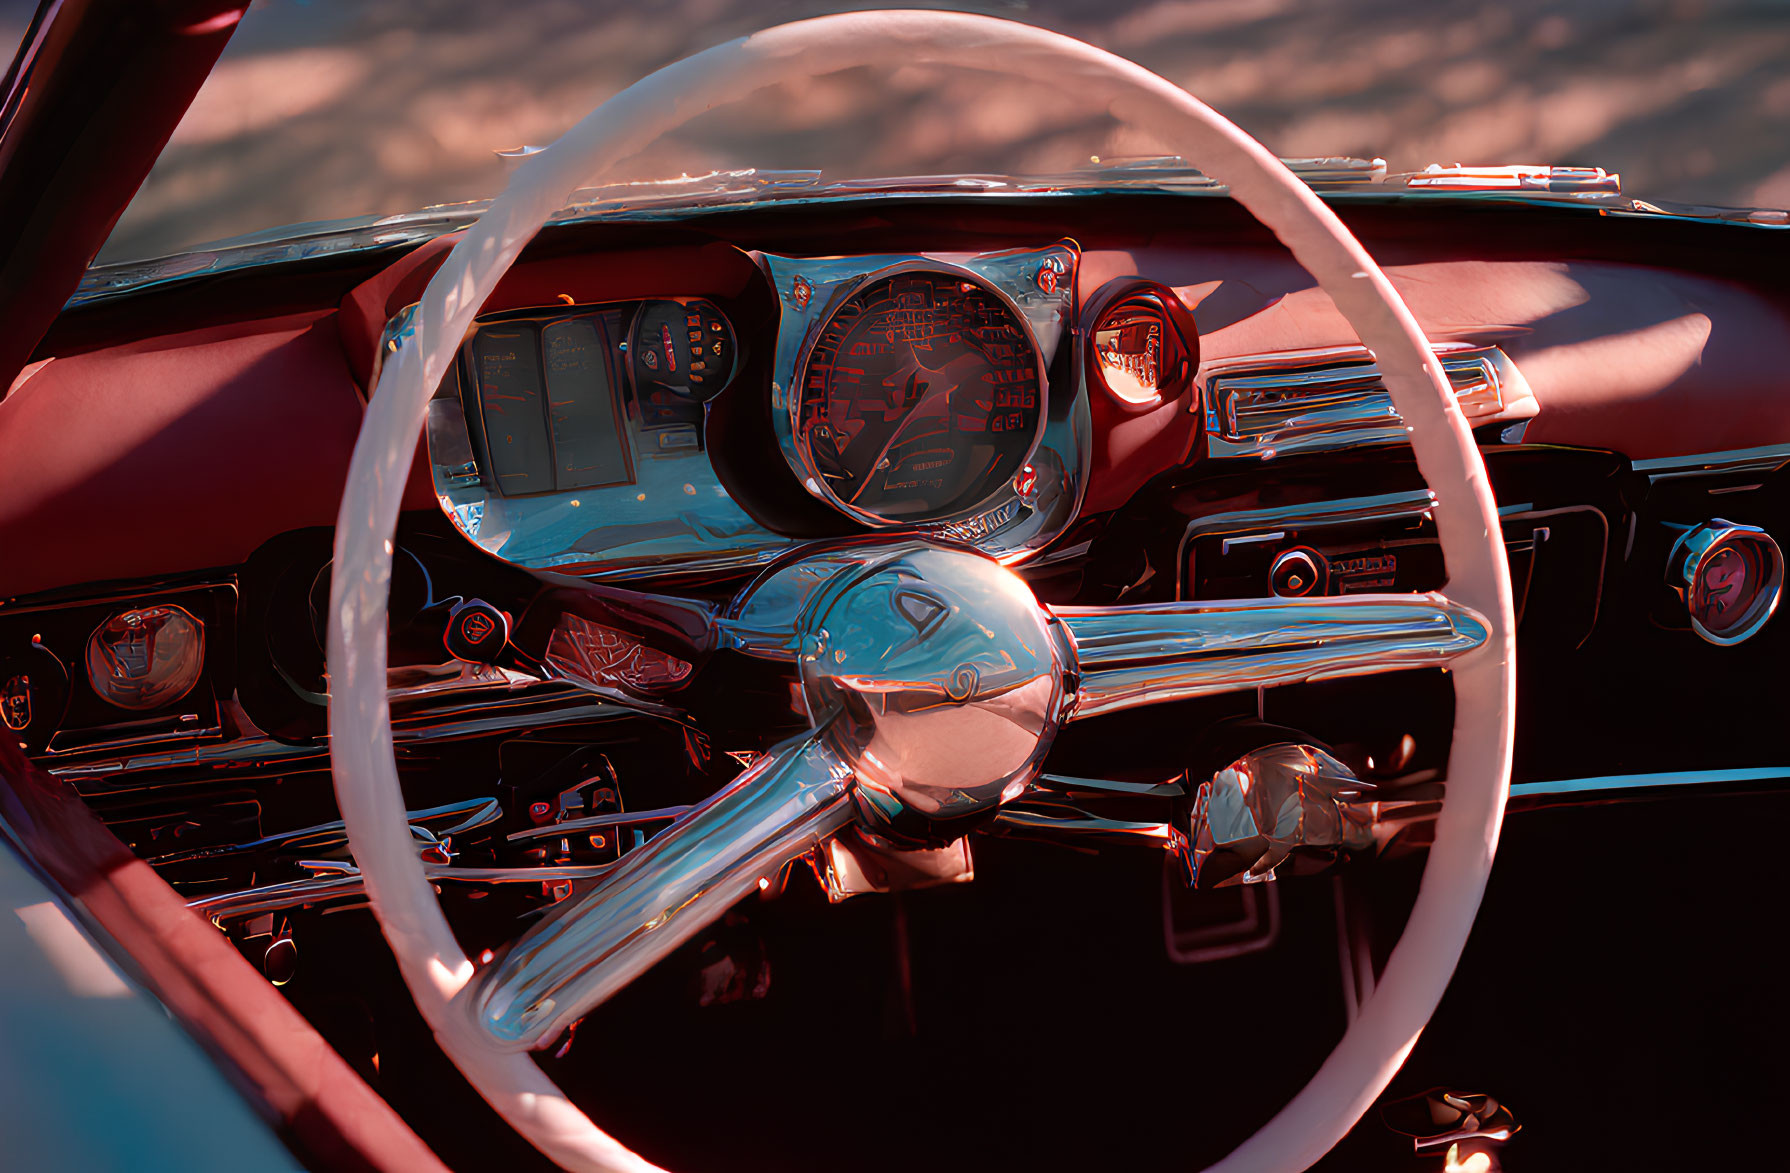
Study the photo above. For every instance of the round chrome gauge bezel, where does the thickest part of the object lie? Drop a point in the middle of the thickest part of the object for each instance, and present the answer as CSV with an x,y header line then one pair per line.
x,y
159,677
801,460
1692,553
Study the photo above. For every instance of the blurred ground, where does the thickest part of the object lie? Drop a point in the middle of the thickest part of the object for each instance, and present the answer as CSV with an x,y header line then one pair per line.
x,y
339,107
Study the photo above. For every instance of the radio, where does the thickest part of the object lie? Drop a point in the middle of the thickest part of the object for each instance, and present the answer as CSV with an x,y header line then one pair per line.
x,y
1387,543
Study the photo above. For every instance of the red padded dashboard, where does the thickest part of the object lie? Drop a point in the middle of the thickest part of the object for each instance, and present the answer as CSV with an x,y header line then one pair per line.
x,y
172,454
189,450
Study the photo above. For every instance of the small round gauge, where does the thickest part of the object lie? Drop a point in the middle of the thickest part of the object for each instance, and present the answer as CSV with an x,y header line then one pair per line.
x,y
921,397
145,658
1144,347
1730,577
683,347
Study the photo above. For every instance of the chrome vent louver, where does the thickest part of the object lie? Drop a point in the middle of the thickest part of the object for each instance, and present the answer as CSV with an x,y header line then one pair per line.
x,y
1333,399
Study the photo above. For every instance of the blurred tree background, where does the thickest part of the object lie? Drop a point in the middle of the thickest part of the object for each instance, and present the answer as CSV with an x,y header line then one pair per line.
x,y
329,108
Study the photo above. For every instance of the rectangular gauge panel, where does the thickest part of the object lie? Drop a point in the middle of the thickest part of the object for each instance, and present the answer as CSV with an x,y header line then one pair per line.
x,y
588,448
506,362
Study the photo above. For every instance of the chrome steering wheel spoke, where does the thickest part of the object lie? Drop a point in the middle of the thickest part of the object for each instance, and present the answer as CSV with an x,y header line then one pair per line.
x,y
663,893
1158,652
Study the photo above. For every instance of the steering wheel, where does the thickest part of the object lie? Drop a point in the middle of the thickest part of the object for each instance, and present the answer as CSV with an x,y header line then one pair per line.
x,y
907,652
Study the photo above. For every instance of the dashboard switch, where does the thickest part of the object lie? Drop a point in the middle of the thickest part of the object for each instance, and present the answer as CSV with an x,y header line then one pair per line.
x,y
477,632
1298,572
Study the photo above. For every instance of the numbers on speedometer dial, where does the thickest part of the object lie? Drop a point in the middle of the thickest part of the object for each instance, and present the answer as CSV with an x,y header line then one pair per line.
x,y
921,397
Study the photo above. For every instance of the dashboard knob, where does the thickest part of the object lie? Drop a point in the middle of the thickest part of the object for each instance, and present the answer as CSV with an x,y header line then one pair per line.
x,y
1298,572
477,632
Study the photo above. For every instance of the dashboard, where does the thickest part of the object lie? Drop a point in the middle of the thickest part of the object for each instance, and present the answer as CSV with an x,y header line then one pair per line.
x,y
928,391
1551,331
1125,404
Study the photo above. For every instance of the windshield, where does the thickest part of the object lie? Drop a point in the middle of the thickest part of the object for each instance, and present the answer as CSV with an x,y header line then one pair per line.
x,y
330,109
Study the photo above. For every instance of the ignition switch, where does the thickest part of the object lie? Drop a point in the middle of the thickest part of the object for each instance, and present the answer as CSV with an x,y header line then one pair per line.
x,y
1298,572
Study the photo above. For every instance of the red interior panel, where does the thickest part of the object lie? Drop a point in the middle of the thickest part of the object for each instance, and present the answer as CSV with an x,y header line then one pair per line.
x,y
173,454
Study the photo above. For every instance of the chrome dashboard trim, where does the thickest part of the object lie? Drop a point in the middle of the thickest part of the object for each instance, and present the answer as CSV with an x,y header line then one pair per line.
x,y
1617,784
660,814
347,884
459,817
520,707
688,197
1416,503
1768,458
701,530
1331,399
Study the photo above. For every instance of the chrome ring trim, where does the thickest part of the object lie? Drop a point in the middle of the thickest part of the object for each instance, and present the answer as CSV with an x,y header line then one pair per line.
x,y
786,416
1692,551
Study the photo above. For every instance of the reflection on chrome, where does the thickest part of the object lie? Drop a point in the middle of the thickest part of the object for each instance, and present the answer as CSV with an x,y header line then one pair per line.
x,y
1149,654
147,657
851,865
1329,400
940,680
335,881
1442,1116
935,683
1281,805
438,824
1055,822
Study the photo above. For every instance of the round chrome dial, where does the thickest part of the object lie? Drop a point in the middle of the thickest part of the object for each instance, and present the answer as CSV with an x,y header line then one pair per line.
x,y
1729,578
919,399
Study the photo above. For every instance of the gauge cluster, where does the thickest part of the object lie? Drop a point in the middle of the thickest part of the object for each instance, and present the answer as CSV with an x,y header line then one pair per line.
x,y
575,437
934,392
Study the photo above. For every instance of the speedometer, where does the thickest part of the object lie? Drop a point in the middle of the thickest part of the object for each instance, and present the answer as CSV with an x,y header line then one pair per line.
x,y
921,397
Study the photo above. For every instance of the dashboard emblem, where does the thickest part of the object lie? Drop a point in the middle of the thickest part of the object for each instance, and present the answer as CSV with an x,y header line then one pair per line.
x,y
477,627
801,293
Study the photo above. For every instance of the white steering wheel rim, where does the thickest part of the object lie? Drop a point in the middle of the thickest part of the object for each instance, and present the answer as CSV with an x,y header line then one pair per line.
x,y
366,781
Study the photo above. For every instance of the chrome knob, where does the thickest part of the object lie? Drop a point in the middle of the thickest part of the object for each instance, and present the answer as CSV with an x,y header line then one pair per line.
x,y
1297,572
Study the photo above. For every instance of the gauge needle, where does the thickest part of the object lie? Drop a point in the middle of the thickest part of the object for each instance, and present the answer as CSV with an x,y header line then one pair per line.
x,y
921,389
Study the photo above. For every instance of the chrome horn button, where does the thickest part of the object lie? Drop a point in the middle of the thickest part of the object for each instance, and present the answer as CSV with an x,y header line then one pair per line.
x,y
941,681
